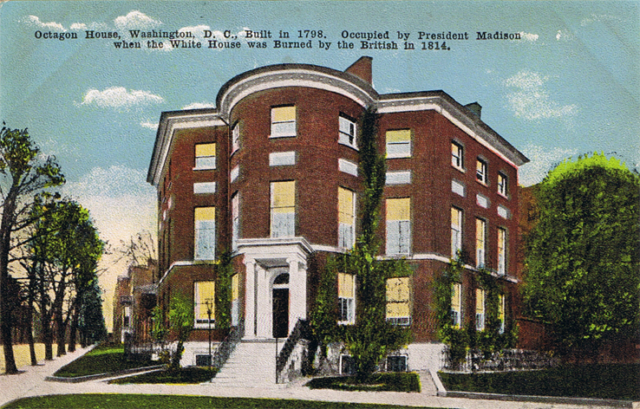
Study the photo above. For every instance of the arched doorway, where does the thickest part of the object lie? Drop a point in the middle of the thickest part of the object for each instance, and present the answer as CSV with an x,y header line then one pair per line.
x,y
281,306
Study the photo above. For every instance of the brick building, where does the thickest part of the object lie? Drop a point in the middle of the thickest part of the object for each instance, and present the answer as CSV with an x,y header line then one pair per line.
x,y
272,175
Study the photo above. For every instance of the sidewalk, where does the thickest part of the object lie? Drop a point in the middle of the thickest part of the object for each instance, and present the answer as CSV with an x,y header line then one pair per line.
x,y
31,383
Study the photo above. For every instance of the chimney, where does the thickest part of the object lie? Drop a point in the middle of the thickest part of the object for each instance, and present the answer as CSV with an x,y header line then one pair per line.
x,y
361,69
475,108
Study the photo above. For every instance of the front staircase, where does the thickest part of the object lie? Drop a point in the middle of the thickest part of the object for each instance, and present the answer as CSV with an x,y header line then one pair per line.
x,y
251,365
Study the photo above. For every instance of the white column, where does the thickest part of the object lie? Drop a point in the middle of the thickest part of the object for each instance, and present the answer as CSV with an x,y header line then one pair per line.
x,y
264,304
250,299
297,291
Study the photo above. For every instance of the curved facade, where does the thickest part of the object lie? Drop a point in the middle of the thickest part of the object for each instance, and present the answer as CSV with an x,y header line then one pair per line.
x,y
272,176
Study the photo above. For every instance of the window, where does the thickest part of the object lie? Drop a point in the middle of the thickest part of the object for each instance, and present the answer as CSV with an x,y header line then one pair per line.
x,y
347,132
457,187
503,184
399,300
502,307
502,251
504,212
346,217
282,158
347,298
397,363
347,365
457,155
456,231
399,144
398,218
235,138
235,172
235,300
205,156
283,121
482,201
126,321
479,309
235,221
481,234
283,209
205,303
398,178
205,233
456,305
481,171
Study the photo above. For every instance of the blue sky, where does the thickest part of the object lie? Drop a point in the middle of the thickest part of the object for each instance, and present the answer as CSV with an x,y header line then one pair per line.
x,y
569,86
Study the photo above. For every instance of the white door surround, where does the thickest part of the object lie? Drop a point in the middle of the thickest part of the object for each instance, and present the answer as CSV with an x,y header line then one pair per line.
x,y
264,260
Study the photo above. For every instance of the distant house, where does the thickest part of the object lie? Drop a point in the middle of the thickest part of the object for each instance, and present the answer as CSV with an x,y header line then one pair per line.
x,y
272,175
135,297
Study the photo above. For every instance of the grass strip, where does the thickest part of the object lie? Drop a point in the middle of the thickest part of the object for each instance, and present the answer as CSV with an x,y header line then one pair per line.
x,y
611,381
129,401
101,359
395,382
184,375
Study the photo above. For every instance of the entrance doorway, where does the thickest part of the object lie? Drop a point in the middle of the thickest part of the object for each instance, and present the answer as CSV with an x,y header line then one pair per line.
x,y
281,306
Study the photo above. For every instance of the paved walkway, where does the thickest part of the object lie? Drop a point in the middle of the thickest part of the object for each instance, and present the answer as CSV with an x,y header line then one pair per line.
x,y
31,383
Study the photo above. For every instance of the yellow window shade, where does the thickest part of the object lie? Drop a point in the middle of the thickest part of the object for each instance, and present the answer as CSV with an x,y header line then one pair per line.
x,y
480,166
398,209
283,114
345,285
283,195
501,308
205,294
205,149
501,239
399,136
398,310
455,297
235,287
456,216
345,205
480,230
398,289
479,301
205,213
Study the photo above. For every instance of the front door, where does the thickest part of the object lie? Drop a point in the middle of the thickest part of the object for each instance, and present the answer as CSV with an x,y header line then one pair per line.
x,y
280,312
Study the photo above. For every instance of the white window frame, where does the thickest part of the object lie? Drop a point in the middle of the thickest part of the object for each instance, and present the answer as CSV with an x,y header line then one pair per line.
x,y
348,167
347,305
502,312
400,229
503,184
458,188
200,188
398,149
205,162
235,173
277,128
282,158
235,138
481,308
482,169
456,232
282,223
402,177
235,300
347,132
457,155
204,237
481,242
502,251
235,220
347,231
456,314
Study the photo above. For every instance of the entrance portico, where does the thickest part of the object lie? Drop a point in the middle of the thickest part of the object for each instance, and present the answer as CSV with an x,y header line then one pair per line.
x,y
275,285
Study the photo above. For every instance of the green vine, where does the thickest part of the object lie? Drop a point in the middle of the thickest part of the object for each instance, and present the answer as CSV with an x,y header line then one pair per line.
x,y
223,291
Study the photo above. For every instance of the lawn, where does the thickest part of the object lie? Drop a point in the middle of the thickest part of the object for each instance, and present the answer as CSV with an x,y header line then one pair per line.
x,y
124,401
101,359
396,382
615,381
184,375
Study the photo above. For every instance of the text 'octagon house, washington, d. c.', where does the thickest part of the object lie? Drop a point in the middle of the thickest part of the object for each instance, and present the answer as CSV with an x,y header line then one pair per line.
x,y
272,176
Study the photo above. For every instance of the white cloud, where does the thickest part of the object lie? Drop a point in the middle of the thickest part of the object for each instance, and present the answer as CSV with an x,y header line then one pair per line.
x,y
199,105
529,36
35,20
113,182
563,35
119,97
149,124
136,20
530,100
599,18
542,161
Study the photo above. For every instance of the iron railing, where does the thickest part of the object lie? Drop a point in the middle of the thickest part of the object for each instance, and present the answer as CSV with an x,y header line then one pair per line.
x,y
228,345
300,331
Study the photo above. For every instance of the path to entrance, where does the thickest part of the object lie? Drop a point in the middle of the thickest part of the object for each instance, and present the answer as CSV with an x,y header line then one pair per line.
x,y
31,383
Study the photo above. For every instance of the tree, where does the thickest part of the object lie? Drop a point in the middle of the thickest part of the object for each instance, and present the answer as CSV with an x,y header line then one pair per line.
x,y
371,337
582,264
138,249
23,173
181,324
